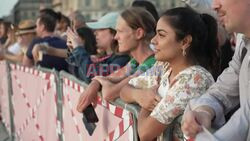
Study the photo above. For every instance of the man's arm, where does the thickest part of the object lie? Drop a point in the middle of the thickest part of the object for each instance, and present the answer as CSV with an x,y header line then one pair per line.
x,y
224,94
118,75
46,49
57,52
147,126
13,58
111,91
91,92
130,94
115,82
28,59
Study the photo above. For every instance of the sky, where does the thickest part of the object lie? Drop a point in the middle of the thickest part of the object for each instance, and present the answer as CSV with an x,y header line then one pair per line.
x,y
6,7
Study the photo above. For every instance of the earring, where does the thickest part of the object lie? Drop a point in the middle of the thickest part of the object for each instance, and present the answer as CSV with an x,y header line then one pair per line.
x,y
184,52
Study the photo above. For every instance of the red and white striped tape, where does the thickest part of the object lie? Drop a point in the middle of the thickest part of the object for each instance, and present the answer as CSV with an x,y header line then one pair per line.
x,y
73,85
67,98
126,116
119,112
32,111
33,71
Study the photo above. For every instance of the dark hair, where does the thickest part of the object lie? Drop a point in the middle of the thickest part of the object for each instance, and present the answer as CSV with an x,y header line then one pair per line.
x,y
114,44
148,6
48,21
89,38
140,18
7,27
203,29
65,19
51,12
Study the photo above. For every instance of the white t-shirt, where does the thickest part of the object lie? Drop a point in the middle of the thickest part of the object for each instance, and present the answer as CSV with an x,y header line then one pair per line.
x,y
14,49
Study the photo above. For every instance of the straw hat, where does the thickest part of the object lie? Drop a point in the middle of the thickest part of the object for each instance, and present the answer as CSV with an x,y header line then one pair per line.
x,y
26,26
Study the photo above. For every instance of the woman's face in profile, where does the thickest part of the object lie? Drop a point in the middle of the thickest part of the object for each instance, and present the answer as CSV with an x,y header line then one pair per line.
x,y
167,48
104,38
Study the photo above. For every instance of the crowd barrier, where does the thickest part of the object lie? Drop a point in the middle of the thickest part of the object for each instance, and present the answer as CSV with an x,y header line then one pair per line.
x,y
115,123
39,104
34,104
4,95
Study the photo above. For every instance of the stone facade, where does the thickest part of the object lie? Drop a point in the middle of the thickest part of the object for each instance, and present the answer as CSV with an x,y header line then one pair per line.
x,y
28,9
93,9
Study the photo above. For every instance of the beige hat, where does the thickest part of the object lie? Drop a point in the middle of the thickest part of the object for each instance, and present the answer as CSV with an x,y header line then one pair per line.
x,y
26,26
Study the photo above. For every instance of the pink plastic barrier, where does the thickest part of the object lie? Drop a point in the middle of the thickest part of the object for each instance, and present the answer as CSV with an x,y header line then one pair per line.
x,y
34,101
4,100
114,123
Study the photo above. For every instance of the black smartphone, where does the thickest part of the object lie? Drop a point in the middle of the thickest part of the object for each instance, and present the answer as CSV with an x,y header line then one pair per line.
x,y
90,127
90,114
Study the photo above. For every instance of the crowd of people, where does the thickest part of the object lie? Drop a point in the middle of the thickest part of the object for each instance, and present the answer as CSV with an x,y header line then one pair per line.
x,y
190,62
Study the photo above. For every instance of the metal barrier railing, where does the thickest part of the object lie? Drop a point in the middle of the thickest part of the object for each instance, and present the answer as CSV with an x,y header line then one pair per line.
x,y
59,81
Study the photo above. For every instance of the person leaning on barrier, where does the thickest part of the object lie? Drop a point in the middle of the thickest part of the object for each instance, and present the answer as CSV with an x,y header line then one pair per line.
x,y
11,43
83,47
135,28
45,27
25,34
226,49
103,65
186,53
85,36
232,86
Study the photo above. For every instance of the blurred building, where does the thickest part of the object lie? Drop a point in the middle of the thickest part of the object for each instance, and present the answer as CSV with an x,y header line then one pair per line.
x,y
29,9
93,9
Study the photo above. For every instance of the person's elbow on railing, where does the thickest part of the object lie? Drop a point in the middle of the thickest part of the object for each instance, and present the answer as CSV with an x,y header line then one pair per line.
x,y
148,127
109,88
144,97
124,94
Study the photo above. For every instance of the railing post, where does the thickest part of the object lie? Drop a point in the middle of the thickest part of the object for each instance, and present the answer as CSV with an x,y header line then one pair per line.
x,y
59,103
10,93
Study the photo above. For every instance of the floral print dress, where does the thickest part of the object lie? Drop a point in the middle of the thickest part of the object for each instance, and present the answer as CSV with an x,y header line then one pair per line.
x,y
190,83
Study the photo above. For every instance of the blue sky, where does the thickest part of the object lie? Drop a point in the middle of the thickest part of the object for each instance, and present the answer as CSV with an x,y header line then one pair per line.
x,y
6,6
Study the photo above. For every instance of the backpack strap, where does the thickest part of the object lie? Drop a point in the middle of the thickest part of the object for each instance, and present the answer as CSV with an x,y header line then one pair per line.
x,y
230,113
243,54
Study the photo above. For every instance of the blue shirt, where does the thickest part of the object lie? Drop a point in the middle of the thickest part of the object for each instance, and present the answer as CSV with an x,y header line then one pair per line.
x,y
50,61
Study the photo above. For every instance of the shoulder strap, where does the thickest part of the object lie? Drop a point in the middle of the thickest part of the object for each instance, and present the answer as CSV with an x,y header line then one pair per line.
x,y
230,113
243,54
